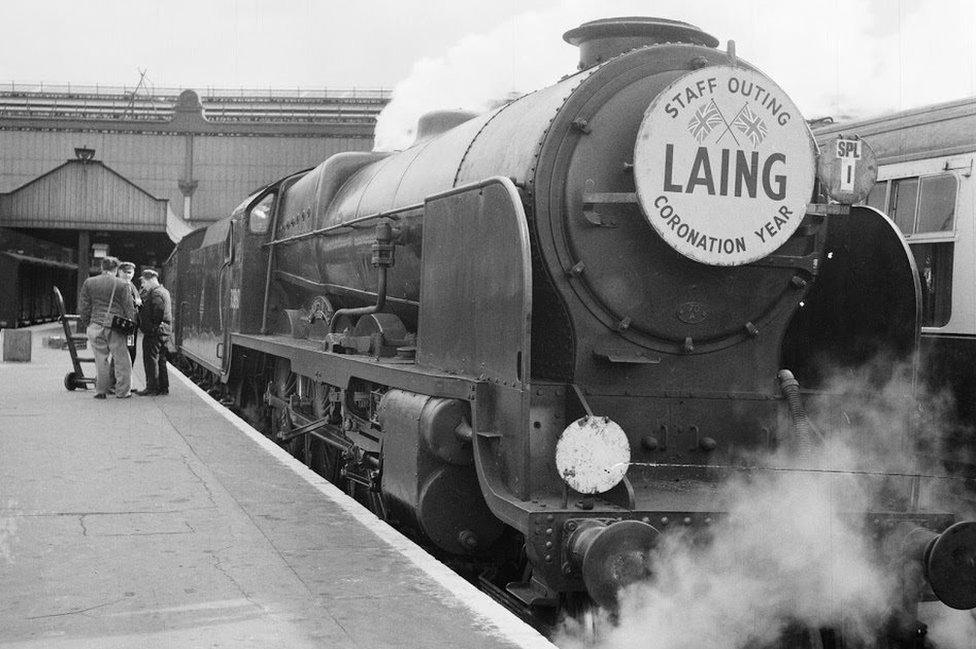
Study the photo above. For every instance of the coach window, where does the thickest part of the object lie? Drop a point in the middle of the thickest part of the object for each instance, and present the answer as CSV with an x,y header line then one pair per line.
x,y
936,204
259,218
930,238
904,196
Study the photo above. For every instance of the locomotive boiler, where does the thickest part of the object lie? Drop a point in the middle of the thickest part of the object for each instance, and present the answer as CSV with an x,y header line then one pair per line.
x,y
530,338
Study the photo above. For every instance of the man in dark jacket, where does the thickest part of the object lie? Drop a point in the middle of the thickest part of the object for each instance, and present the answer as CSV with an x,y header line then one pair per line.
x,y
156,323
102,297
127,271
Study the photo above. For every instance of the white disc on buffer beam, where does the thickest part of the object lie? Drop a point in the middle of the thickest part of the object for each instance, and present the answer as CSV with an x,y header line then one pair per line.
x,y
592,455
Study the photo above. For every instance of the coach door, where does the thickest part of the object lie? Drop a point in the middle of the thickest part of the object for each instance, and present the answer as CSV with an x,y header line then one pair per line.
x,y
926,199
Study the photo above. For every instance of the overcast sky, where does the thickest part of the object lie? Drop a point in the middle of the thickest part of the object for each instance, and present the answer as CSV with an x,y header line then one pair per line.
x,y
839,57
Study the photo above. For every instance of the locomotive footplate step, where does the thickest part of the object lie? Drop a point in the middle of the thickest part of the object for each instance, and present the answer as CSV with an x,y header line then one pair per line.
x,y
167,522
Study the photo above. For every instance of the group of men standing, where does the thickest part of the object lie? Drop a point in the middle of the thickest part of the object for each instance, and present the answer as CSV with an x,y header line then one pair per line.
x,y
111,294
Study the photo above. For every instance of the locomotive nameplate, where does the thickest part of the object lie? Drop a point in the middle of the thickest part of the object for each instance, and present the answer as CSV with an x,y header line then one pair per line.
x,y
724,166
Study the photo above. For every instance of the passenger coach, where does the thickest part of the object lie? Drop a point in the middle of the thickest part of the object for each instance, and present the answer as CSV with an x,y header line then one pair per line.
x,y
926,185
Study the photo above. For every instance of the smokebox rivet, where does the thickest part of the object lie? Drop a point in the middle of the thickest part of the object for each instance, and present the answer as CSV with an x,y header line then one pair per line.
x,y
548,558
646,519
664,520
687,520
550,517
708,520
548,544
549,530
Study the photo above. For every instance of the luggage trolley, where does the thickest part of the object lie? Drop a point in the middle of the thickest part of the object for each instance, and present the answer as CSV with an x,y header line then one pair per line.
x,y
76,378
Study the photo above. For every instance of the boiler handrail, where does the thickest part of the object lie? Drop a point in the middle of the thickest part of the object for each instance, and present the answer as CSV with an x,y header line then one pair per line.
x,y
390,214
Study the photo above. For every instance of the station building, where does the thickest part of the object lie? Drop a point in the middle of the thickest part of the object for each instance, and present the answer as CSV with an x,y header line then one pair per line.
x,y
111,171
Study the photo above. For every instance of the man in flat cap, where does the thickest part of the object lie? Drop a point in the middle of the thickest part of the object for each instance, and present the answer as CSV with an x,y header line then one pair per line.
x,y
156,323
127,271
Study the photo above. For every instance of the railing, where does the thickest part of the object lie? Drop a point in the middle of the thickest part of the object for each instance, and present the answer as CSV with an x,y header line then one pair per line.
x,y
206,94
302,105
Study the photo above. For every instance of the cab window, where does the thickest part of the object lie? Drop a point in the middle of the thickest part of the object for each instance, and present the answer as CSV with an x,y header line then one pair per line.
x,y
259,218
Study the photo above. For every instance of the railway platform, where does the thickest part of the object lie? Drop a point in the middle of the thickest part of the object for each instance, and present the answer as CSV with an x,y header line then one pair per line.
x,y
169,522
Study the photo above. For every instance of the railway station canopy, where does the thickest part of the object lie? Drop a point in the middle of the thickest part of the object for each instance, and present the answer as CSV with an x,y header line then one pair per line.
x,y
129,171
86,194
201,152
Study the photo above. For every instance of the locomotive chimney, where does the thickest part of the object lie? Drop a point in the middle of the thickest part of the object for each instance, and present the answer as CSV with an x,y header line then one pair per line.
x,y
600,40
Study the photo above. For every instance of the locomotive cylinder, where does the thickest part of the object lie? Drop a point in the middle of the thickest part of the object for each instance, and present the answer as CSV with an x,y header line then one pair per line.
x,y
429,481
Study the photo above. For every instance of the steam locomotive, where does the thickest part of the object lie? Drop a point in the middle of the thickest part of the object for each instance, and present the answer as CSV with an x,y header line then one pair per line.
x,y
534,338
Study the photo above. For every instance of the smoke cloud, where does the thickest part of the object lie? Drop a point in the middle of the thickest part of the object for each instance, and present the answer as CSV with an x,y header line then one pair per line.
x,y
950,629
795,552
841,58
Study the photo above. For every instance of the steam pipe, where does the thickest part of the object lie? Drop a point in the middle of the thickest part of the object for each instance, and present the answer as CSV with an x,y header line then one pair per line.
x,y
363,310
802,430
383,259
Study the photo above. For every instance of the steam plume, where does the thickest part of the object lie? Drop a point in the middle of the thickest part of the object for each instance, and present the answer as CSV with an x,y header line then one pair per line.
x,y
794,553
850,58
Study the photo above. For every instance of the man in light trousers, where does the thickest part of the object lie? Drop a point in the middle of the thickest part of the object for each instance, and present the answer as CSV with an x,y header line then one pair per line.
x,y
102,297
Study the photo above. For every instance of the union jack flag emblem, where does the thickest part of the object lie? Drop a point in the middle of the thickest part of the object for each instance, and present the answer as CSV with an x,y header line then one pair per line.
x,y
750,125
705,119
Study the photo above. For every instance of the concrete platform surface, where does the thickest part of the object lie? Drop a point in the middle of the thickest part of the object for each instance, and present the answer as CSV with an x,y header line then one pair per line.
x,y
168,522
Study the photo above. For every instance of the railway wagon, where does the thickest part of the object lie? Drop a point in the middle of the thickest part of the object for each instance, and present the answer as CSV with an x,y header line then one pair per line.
x,y
539,337
29,268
